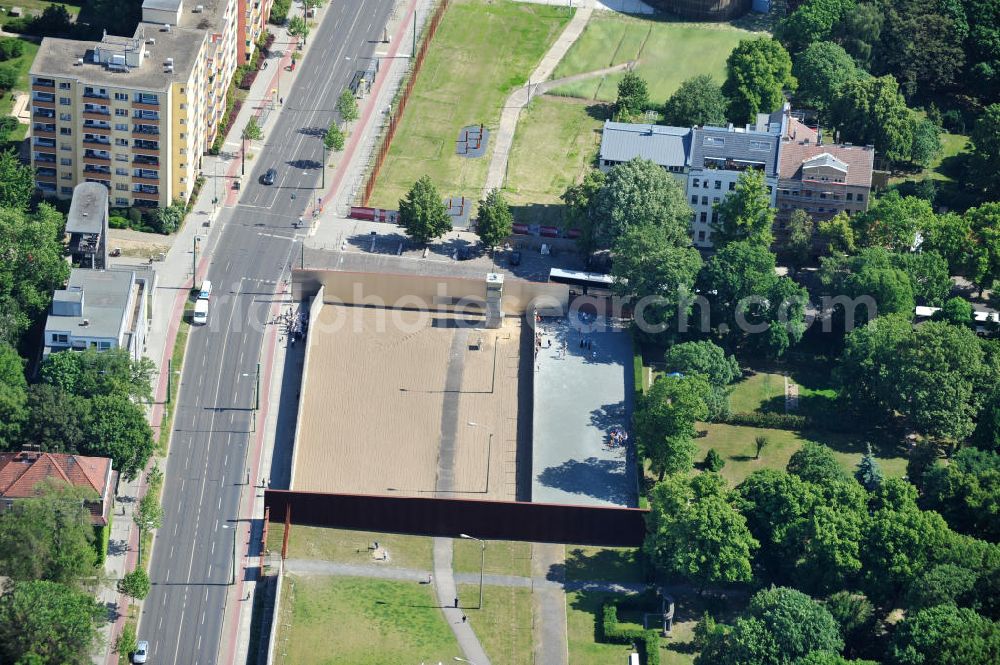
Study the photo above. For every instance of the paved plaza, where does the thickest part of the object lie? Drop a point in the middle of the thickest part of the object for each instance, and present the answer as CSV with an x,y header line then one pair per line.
x,y
581,394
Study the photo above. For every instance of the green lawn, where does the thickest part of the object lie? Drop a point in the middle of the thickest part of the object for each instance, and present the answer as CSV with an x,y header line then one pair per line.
x,y
481,52
668,53
555,145
502,557
307,542
357,621
23,64
36,7
504,624
612,564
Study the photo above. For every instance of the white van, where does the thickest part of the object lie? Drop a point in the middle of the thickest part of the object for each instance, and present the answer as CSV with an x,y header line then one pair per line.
x,y
206,290
200,317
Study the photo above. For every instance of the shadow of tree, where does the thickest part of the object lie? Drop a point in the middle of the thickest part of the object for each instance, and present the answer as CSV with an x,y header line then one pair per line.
x,y
592,477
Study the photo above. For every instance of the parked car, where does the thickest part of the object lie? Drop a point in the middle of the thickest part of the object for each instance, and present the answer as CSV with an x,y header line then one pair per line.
x,y
514,259
269,176
141,652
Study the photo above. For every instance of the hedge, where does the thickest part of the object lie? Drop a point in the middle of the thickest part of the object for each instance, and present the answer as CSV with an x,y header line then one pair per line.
x,y
647,641
767,419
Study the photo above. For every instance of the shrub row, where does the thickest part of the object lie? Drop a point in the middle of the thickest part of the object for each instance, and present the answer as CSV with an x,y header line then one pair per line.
x,y
647,641
767,419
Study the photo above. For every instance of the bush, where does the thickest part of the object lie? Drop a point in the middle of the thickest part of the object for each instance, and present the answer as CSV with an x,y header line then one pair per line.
x,y
11,47
279,12
8,77
647,641
767,419
7,125
134,216
20,25
126,643
117,222
714,461
101,536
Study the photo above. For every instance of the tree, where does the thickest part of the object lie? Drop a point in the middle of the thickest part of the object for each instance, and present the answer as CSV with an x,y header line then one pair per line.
x,y
11,47
837,234
49,537
872,111
169,218
57,420
860,30
822,69
708,359
333,139
495,222
640,193
299,27
664,422
696,103
118,429
957,311
759,443
713,461
944,584
899,546
43,621
93,373
347,106
134,584
17,182
633,95
13,396
423,213
648,264
815,463
869,473
870,276
922,45
865,372
746,214
8,124
893,221
798,246
252,130
983,46
926,141
781,626
812,21
694,532
776,505
856,617
984,221
149,515
576,214
968,499
945,635
951,236
758,71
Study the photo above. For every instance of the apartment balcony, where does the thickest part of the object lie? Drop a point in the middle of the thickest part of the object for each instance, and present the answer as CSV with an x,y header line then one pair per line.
x,y
91,176
145,181
145,106
44,158
45,178
103,131
143,160
97,142
43,87
43,133
155,122
93,160
43,104
137,133
46,149
95,95
150,152
96,115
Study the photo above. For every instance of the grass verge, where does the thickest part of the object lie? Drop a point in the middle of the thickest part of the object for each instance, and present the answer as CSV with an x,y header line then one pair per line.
x,y
340,545
481,52
359,621
668,53
502,557
503,625
607,564
176,367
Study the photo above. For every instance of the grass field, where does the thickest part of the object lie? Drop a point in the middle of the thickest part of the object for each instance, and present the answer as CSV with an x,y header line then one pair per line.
x,y
555,145
503,626
502,557
355,621
668,53
36,7
582,614
307,542
482,51
23,65
611,564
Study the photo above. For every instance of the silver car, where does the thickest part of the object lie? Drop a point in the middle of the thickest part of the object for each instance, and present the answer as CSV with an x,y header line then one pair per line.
x,y
141,652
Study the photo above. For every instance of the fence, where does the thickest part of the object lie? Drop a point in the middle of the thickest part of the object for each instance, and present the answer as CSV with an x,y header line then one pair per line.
x,y
397,113
491,520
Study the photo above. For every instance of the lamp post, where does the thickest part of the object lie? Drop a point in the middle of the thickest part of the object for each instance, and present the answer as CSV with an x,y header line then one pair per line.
x,y
322,167
482,564
194,261
243,154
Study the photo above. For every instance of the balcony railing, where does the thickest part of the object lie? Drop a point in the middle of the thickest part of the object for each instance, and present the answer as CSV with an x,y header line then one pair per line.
x,y
43,158
149,130
145,160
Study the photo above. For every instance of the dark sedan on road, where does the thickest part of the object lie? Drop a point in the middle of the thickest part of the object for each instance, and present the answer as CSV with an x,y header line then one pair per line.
x,y
269,177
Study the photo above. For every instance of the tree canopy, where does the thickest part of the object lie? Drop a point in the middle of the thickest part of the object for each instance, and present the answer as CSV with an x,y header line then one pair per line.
x,y
47,622
664,421
758,72
946,635
746,214
423,213
633,95
495,222
822,69
697,102
872,111
17,182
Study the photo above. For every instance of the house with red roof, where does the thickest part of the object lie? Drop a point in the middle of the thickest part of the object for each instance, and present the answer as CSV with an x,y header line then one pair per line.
x,y
21,474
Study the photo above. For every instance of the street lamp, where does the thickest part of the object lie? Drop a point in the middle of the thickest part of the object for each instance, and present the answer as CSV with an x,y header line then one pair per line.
x,y
482,564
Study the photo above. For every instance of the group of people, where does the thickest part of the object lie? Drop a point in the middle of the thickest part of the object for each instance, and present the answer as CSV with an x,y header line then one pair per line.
x,y
618,438
296,324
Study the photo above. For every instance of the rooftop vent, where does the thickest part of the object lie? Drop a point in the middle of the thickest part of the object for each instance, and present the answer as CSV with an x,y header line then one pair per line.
x,y
169,69
165,28
151,41
79,61
85,322
199,9
169,62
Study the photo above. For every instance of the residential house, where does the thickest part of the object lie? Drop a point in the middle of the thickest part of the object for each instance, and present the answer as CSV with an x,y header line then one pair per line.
x,y
22,473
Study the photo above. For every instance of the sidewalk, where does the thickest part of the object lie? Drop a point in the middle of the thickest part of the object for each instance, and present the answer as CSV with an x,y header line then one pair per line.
x,y
447,591
201,230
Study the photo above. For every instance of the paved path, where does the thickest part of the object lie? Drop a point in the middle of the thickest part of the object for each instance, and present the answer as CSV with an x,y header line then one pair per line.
x,y
548,599
376,571
519,98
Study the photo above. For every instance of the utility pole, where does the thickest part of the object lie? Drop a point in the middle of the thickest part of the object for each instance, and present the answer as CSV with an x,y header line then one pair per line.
x,y
243,155
323,167
194,262
170,376
256,393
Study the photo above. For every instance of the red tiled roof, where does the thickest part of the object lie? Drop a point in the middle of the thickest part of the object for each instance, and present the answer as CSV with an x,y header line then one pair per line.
x,y
21,472
796,130
859,159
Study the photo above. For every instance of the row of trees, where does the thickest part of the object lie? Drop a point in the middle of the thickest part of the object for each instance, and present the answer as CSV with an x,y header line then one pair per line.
x,y
424,216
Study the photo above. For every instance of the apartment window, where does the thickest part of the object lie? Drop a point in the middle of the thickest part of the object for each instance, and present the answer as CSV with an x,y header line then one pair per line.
x,y
694,200
696,182
120,157
66,176
104,346
121,187
850,196
704,200
65,146
732,186
703,217
718,184
807,193
66,190
701,236
64,85
60,338
121,126
183,121
861,197
121,202
758,145
715,140
822,195
121,113
65,101
770,190
715,216
715,199
120,171
66,131
65,161
66,117
121,142
704,185
121,96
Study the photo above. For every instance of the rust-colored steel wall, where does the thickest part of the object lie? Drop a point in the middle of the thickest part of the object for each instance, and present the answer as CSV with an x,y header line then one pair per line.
x,y
489,520
704,10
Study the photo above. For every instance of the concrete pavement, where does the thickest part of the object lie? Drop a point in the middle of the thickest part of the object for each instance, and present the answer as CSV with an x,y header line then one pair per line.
x,y
548,600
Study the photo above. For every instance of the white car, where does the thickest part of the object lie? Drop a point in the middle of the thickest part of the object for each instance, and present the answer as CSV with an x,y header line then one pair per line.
x,y
141,652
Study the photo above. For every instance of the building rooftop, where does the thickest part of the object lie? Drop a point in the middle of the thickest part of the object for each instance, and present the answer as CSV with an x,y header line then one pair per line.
x,y
21,473
162,5
737,144
61,58
88,209
102,299
666,146
857,161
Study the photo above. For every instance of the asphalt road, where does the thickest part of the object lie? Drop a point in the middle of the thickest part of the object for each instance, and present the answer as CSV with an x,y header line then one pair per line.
x,y
207,468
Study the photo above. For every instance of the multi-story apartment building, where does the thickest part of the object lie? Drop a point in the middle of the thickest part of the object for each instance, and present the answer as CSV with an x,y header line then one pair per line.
x,y
134,113
253,15
669,147
822,179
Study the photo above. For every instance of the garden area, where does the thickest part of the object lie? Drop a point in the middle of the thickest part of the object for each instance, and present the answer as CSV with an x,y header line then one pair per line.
x,y
667,52
18,55
481,52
